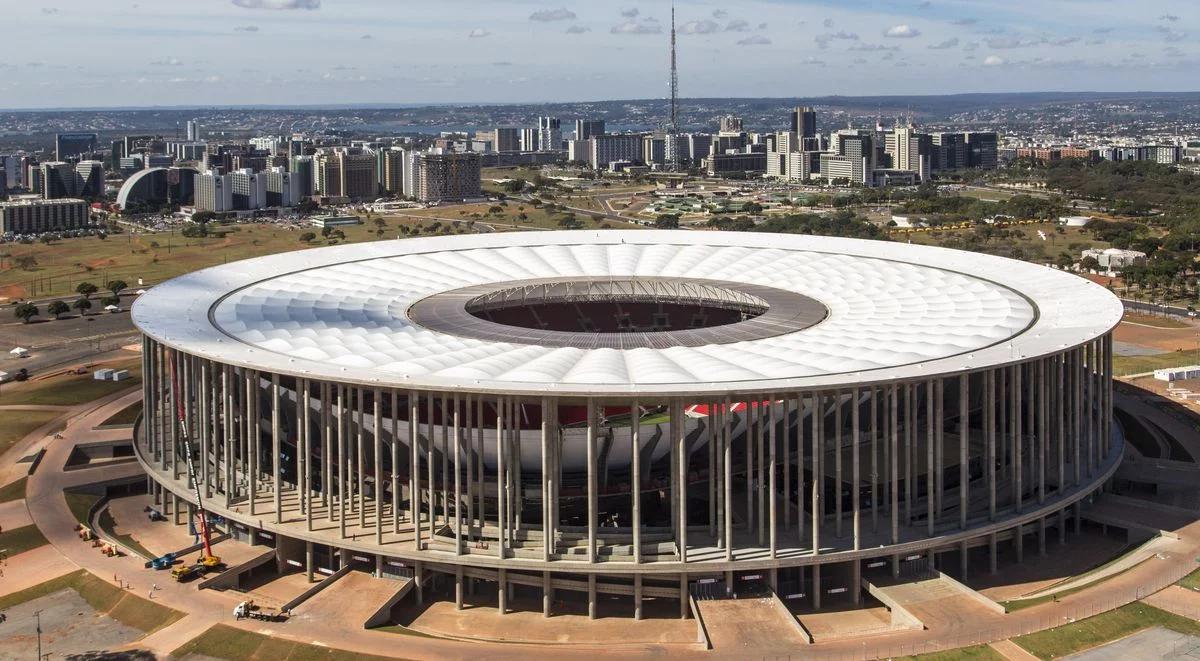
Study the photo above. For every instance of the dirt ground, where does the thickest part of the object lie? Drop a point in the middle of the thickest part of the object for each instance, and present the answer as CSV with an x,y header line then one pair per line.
x,y
69,626
1164,339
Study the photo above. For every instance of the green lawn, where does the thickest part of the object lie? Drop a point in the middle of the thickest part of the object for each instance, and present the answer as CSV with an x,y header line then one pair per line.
x,y
72,389
125,416
15,425
121,605
1127,365
1103,628
13,490
20,540
80,504
1191,581
975,653
225,642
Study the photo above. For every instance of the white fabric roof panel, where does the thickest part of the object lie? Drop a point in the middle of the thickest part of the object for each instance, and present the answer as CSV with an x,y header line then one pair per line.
x,y
895,311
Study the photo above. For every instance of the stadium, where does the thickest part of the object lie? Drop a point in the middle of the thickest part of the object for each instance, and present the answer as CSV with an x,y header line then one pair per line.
x,y
631,416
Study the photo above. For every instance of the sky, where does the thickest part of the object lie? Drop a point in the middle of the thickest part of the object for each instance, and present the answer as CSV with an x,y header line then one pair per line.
x,y
89,53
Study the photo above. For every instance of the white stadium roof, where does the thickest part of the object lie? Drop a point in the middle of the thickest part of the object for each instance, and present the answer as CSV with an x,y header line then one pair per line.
x,y
894,311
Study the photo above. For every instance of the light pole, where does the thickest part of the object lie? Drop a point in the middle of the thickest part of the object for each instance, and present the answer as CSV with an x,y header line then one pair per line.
x,y
38,615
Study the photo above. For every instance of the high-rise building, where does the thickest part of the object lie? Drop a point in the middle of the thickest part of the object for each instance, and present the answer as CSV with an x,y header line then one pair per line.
x,y
82,179
447,177
249,189
853,158
358,175
549,135
529,139
984,150
731,124
89,179
654,149
950,151
282,190
586,129
33,216
214,192
193,130
507,139
14,171
303,175
804,122
607,149
412,173
70,145
391,176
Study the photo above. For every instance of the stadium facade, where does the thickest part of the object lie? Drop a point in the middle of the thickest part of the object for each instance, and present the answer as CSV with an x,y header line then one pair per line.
x,y
632,413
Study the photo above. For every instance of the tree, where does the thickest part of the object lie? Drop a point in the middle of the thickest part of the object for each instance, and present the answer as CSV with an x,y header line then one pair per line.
x,y
26,311
307,207
667,222
116,286
110,300
26,262
86,289
83,305
308,237
58,309
1089,264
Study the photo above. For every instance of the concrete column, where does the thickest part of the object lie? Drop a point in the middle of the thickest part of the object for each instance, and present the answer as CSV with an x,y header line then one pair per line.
x,y
837,464
964,433
635,413
816,586
1042,536
772,487
458,587
327,441
930,458
1062,526
894,484
785,420
637,596
414,468
989,421
592,497
469,454
1043,427
547,594
1019,540
591,596
547,532
1018,398
343,467
501,456
679,440
964,559
855,581
818,460
873,423
430,439
276,450
308,561
992,553
377,456
727,460
713,436
801,525
502,591
305,455
457,449
395,499
683,596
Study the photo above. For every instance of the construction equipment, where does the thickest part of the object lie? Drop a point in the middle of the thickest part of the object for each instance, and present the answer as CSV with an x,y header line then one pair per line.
x,y
207,559
163,561
187,572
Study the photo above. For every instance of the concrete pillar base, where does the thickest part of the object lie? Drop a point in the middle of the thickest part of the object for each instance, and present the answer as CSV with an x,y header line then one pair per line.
x,y
591,596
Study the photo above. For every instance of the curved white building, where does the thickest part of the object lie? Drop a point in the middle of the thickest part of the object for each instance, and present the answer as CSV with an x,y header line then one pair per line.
x,y
630,412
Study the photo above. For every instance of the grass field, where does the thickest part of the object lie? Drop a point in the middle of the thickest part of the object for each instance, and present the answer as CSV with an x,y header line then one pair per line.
x,y
125,416
225,642
20,540
1103,628
1127,365
72,389
974,653
121,605
15,425
153,257
1191,581
510,214
1155,321
13,490
80,504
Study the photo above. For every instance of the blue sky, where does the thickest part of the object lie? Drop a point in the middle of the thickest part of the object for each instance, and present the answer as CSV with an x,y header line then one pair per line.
x,y
166,52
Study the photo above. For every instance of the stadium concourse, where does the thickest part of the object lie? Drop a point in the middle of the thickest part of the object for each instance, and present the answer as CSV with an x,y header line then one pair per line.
x,y
632,416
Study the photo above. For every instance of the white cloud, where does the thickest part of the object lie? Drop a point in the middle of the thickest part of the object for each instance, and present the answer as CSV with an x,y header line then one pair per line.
x,y
547,15
738,26
1169,35
902,32
699,27
964,22
755,40
720,14
632,12
246,28
827,22
278,4
578,29
49,11
824,39
478,33
644,26
167,62
1168,17
949,43
994,61
871,48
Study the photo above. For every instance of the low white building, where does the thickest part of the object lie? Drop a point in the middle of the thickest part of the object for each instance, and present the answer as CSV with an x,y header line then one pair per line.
x,y
1075,221
1114,259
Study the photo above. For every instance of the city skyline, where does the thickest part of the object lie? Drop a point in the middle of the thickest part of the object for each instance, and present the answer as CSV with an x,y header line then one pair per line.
x,y
344,52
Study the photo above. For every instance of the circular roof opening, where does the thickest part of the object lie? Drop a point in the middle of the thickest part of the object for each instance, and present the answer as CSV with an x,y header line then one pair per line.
x,y
618,313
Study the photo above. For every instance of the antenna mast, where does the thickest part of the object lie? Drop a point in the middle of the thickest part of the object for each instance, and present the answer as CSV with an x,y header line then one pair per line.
x,y
672,137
